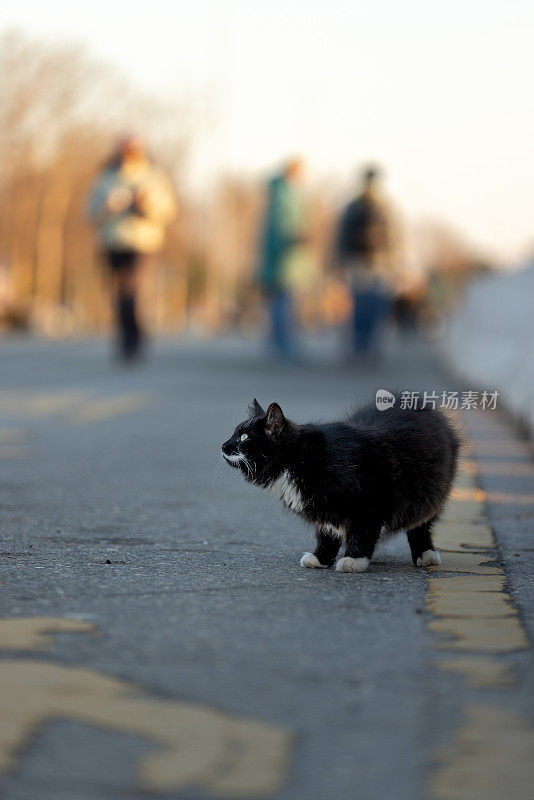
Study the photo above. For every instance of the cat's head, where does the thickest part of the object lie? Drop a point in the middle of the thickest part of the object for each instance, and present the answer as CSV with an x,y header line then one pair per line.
x,y
259,446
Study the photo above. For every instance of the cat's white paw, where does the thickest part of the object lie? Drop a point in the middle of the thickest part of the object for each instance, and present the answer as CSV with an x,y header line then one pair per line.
x,y
430,558
348,564
311,560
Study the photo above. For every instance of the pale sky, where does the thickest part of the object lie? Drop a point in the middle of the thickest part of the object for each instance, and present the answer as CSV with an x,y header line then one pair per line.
x,y
440,94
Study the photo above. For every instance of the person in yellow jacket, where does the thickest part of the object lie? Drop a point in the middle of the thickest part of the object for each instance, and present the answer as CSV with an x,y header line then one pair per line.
x,y
131,204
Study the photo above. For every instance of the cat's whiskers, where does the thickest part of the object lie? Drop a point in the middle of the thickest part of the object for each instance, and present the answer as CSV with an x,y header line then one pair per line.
x,y
219,472
247,465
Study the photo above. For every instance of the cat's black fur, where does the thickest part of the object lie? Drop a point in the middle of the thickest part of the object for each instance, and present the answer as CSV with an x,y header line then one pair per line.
x,y
376,472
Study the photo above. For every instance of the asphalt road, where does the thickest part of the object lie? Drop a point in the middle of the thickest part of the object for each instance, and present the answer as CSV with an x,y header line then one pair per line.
x,y
117,513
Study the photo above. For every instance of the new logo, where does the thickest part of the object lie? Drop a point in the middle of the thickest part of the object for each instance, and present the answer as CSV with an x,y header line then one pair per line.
x,y
384,399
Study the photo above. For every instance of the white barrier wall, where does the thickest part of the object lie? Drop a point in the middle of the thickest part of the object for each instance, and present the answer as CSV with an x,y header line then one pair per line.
x,y
490,340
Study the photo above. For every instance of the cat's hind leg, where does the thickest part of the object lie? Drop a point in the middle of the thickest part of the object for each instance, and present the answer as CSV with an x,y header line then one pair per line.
x,y
325,553
422,547
361,541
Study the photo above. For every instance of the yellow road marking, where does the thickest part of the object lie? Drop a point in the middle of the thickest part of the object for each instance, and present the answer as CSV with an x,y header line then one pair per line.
x,y
474,563
77,406
462,493
459,583
468,466
227,756
13,435
11,451
490,758
510,497
480,672
491,755
479,634
38,405
49,405
36,633
460,537
442,602
99,410
463,511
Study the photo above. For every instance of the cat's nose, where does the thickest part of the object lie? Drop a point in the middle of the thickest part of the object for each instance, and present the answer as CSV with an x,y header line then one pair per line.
x,y
226,447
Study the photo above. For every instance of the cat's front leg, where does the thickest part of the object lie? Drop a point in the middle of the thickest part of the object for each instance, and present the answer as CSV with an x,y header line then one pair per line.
x,y
324,554
360,545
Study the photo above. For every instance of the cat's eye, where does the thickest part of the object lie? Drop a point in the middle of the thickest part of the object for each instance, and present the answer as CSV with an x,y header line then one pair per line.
x,y
243,437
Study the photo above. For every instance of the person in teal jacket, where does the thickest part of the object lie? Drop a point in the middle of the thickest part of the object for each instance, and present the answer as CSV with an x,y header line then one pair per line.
x,y
284,229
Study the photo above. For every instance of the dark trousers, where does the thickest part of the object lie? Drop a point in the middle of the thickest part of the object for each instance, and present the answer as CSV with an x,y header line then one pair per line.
x,y
371,307
281,313
124,265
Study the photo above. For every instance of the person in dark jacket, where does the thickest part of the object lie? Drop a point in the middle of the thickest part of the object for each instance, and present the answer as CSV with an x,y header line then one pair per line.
x,y
364,250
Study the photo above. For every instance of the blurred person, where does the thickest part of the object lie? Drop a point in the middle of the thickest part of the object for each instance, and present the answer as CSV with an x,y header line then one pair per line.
x,y
283,263
410,299
14,314
365,253
130,205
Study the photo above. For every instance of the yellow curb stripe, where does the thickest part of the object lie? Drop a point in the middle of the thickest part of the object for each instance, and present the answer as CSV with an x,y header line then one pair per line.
x,y
473,563
480,672
490,758
491,755
459,583
442,602
474,494
481,634
463,536
464,511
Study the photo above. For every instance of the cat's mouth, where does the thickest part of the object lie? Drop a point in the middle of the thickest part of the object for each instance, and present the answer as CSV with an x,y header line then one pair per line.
x,y
234,460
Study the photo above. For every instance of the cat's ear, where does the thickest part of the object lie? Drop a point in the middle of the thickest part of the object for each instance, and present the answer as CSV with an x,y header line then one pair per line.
x,y
255,410
274,424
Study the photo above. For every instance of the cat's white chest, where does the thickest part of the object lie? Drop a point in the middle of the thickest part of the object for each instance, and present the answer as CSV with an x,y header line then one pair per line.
x,y
285,489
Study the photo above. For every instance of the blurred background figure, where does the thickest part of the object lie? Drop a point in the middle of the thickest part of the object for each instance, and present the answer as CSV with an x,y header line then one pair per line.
x,y
131,204
365,253
283,262
14,315
409,304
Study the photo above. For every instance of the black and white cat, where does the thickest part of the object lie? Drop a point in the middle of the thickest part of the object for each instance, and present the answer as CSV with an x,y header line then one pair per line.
x,y
376,472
